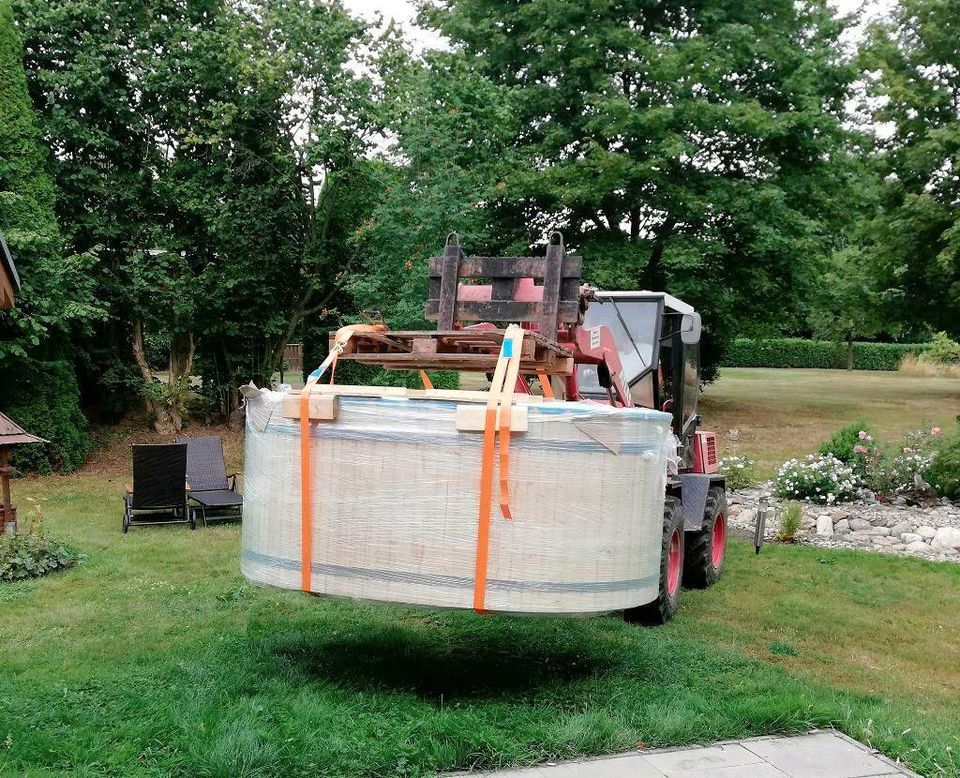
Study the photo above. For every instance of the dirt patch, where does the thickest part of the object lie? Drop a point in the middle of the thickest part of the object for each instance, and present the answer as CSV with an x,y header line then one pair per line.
x,y
111,455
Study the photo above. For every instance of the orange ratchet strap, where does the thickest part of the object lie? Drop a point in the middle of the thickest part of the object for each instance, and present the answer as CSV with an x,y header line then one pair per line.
x,y
509,362
306,481
506,412
545,385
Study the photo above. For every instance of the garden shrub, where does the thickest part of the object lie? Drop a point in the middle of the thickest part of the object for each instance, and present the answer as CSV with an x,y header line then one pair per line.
x,y
32,554
846,443
942,351
913,459
740,471
824,354
943,473
824,479
44,399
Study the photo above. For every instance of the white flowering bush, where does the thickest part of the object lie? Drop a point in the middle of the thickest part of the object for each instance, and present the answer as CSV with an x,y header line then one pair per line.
x,y
914,458
739,471
822,478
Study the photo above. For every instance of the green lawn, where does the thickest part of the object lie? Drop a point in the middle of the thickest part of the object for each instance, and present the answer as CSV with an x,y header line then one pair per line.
x,y
778,414
154,658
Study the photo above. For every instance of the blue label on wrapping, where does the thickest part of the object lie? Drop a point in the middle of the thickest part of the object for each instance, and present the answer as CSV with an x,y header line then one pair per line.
x,y
508,348
316,373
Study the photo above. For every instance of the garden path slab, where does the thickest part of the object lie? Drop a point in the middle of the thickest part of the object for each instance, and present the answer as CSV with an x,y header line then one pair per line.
x,y
812,755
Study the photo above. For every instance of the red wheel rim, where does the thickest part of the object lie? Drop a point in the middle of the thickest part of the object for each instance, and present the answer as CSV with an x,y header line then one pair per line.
x,y
673,564
719,540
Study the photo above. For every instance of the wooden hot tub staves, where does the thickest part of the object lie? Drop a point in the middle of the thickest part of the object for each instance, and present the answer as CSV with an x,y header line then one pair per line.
x,y
396,489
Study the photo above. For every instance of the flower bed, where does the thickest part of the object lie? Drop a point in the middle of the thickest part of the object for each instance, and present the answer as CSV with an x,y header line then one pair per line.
x,y
822,478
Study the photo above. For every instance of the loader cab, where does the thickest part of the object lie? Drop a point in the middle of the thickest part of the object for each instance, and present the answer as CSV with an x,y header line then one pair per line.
x,y
658,341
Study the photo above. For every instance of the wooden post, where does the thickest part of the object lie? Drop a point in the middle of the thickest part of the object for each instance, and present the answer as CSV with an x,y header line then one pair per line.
x,y
8,515
551,289
448,283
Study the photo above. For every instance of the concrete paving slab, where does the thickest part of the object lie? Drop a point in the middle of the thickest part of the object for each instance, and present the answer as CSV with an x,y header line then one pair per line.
x,y
627,766
755,770
813,755
694,761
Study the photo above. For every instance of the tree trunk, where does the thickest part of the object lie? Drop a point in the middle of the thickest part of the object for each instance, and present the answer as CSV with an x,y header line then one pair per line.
x,y
161,418
653,275
849,352
178,380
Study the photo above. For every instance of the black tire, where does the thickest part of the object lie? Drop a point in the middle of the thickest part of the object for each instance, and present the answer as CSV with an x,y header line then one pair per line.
x,y
662,609
699,568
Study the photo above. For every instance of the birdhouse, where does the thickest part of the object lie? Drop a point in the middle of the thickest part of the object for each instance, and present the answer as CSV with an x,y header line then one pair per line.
x,y
11,435
9,280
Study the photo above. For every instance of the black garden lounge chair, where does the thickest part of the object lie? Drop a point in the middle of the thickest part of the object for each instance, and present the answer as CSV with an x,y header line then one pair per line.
x,y
159,491
213,492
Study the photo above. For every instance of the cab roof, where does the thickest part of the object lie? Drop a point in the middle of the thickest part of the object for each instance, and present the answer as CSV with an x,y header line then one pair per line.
x,y
669,301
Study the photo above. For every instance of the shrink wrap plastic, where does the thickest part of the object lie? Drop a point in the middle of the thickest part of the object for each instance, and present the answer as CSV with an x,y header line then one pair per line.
x,y
395,490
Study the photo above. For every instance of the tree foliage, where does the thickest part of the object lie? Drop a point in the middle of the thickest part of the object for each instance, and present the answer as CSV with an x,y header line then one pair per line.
x,y
56,288
204,158
37,386
912,240
693,147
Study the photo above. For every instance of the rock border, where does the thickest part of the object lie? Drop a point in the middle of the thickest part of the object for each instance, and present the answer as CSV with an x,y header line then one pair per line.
x,y
929,532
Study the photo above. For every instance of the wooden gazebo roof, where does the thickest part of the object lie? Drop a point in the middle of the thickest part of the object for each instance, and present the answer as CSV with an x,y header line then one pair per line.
x,y
12,434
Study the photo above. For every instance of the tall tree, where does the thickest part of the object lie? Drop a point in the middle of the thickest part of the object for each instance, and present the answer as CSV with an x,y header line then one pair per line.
x,y
687,146
201,144
56,299
451,129
912,241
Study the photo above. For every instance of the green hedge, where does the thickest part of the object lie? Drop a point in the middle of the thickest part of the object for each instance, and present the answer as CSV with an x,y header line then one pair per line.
x,y
798,352
43,398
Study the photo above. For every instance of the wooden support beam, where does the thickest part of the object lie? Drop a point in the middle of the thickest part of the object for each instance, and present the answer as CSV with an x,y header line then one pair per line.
x,y
509,267
449,279
551,291
323,407
509,311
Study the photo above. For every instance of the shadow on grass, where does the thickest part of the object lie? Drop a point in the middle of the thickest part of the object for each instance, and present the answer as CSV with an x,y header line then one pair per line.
x,y
458,657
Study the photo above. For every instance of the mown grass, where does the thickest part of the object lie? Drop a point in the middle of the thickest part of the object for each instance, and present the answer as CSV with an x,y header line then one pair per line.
x,y
779,414
154,658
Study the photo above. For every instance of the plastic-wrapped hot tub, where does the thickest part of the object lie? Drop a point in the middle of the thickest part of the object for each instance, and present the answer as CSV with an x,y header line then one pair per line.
x,y
395,488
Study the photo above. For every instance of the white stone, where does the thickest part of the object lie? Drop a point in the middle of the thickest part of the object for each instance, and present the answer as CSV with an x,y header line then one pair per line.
x,y
882,531
842,527
824,526
927,532
856,524
910,537
881,540
946,537
901,527
747,516
917,547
